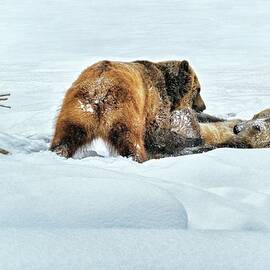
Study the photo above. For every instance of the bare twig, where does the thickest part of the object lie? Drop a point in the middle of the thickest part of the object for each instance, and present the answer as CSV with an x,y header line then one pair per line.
x,y
4,152
4,106
3,97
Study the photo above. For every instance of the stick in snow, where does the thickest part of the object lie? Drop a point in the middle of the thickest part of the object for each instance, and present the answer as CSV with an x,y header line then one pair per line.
x,y
4,152
3,97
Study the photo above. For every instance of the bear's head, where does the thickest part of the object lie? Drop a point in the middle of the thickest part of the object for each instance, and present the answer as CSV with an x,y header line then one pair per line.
x,y
189,89
255,133
182,85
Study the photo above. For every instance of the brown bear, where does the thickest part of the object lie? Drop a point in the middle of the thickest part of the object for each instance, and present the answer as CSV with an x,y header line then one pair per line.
x,y
219,134
254,133
128,105
187,123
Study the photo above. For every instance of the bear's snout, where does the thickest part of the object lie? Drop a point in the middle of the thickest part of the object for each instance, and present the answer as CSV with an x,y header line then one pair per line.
x,y
199,105
236,129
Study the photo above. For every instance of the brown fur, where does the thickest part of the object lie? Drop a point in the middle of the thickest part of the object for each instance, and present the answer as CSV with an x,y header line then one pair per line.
x,y
218,133
127,105
255,132
185,122
263,114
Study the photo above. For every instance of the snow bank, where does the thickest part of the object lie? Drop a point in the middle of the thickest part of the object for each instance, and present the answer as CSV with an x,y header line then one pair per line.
x,y
21,144
219,190
35,194
132,249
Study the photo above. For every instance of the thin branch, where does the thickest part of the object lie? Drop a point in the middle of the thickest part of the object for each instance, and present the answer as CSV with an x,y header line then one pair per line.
x,y
4,106
5,95
4,152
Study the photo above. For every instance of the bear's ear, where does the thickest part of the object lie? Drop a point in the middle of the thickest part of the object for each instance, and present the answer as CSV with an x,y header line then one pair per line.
x,y
184,65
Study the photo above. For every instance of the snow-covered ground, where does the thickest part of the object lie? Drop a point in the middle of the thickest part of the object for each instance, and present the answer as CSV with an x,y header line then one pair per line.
x,y
205,211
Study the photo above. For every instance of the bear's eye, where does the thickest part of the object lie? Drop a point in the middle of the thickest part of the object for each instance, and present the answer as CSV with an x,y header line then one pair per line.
x,y
257,127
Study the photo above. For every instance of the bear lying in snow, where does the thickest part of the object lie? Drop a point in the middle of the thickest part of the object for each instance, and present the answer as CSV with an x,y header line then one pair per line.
x,y
254,133
128,105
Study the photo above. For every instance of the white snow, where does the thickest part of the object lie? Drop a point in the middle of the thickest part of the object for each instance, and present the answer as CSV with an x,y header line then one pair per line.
x,y
86,107
132,249
205,211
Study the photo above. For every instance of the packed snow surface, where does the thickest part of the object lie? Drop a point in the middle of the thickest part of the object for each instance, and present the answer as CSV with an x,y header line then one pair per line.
x,y
204,211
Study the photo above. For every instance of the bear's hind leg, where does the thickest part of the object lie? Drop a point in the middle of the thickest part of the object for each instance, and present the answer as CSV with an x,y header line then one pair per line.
x,y
128,142
68,138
